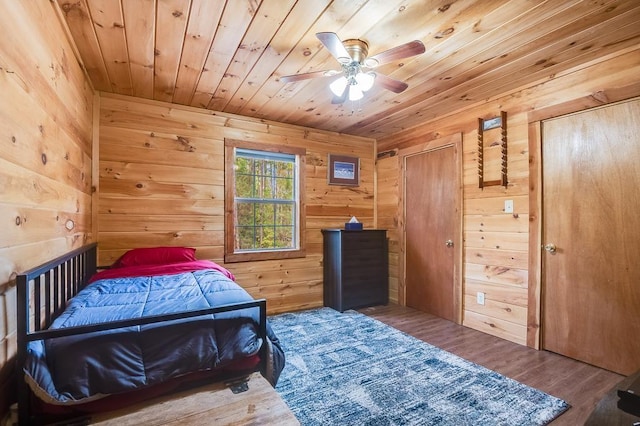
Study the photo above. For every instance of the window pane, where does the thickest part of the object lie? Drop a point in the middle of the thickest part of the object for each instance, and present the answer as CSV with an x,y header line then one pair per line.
x,y
245,238
265,237
264,214
244,186
266,190
284,214
284,237
285,169
284,188
244,166
245,214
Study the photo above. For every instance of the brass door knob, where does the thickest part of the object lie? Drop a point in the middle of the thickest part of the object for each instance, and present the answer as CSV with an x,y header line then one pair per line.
x,y
449,243
551,248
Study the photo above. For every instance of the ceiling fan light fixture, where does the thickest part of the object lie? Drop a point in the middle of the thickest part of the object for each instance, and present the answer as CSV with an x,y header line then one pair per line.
x,y
371,62
337,86
365,80
355,93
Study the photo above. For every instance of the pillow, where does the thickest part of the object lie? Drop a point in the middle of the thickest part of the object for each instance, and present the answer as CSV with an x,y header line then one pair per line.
x,y
156,256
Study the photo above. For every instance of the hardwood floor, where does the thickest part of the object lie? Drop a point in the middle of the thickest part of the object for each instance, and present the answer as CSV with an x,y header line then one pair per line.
x,y
580,384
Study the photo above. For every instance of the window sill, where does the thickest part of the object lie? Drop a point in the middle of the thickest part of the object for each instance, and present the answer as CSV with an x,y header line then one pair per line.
x,y
263,255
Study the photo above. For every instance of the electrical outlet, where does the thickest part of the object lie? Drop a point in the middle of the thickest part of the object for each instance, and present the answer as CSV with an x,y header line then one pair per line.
x,y
480,298
508,206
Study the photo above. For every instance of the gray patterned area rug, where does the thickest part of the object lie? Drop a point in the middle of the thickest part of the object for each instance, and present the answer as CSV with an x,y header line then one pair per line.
x,y
350,369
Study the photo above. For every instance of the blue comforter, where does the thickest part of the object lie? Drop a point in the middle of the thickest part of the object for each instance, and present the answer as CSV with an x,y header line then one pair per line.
x,y
78,369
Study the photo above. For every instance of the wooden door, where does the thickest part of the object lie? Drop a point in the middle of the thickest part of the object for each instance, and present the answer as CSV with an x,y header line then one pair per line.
x,y
591,214
430,221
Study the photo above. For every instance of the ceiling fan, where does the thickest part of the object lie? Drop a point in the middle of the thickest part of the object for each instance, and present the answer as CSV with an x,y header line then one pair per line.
x,y
355,75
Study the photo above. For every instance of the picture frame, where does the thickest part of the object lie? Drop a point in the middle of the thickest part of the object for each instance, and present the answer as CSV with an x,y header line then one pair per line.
x,y
343,170
492,123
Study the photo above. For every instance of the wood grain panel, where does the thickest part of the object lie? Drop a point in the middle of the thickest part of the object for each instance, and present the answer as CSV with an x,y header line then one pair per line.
x,y
157,156
502,311
114,136
108,25
135,205
203,16
497,240
496,326
496,274
159,172
77,16
387,210
153,223
150,189
140,20
171,24
509,258
46,155
211,404
263,27
30,225
508,294
234,23
126,240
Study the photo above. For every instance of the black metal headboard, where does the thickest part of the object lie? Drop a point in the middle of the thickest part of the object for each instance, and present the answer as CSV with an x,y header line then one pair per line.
x,y
53,283
45,291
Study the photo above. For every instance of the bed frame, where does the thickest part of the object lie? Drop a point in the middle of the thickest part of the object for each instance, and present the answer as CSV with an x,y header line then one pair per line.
x,y
51,285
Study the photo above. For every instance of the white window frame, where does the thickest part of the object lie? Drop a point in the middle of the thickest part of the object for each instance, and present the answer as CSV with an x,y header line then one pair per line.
x,y
232,254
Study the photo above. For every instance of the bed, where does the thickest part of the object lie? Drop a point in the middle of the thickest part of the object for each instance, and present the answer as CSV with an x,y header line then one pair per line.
x,y
156,319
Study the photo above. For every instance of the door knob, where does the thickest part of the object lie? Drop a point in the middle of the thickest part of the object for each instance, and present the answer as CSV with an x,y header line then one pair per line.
x,y
551,248
449,243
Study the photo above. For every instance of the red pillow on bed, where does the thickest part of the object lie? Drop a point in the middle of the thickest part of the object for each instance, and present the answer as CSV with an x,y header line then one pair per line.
x,y
156,256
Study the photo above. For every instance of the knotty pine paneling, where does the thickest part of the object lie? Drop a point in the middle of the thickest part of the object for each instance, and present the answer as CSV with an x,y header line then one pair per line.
x,y
161,172
387,208
46,117
496,251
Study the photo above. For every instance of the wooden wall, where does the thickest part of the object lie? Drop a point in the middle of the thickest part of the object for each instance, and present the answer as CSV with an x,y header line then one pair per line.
x,y
45,154
387,198
162,183
497,252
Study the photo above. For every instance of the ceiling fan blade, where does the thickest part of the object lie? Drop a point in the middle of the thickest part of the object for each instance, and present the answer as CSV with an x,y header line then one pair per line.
x,y
334,45
307,76
399,52
389,83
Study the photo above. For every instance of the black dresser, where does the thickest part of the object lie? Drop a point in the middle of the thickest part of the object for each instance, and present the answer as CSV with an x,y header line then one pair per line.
x,y
355,268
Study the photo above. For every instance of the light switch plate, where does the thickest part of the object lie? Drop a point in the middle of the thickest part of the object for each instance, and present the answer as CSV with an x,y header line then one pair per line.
x,y
480,298
508,206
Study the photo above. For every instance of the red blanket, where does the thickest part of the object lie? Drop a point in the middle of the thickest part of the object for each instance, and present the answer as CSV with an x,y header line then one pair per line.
x,y
153,270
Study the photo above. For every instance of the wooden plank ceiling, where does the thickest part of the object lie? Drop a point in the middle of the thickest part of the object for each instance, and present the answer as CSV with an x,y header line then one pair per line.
x,y
228,55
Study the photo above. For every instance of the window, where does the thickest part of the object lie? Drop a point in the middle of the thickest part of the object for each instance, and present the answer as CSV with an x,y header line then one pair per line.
x,y
264,216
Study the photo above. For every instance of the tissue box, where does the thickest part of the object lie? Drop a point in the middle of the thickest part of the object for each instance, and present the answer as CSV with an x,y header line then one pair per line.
x,y
353,226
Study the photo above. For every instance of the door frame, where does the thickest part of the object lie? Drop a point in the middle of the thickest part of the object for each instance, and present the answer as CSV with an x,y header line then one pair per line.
x,y
452,141
535,119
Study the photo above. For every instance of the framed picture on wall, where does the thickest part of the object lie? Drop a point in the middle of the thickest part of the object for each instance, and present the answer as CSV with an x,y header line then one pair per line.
x,y
343,170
